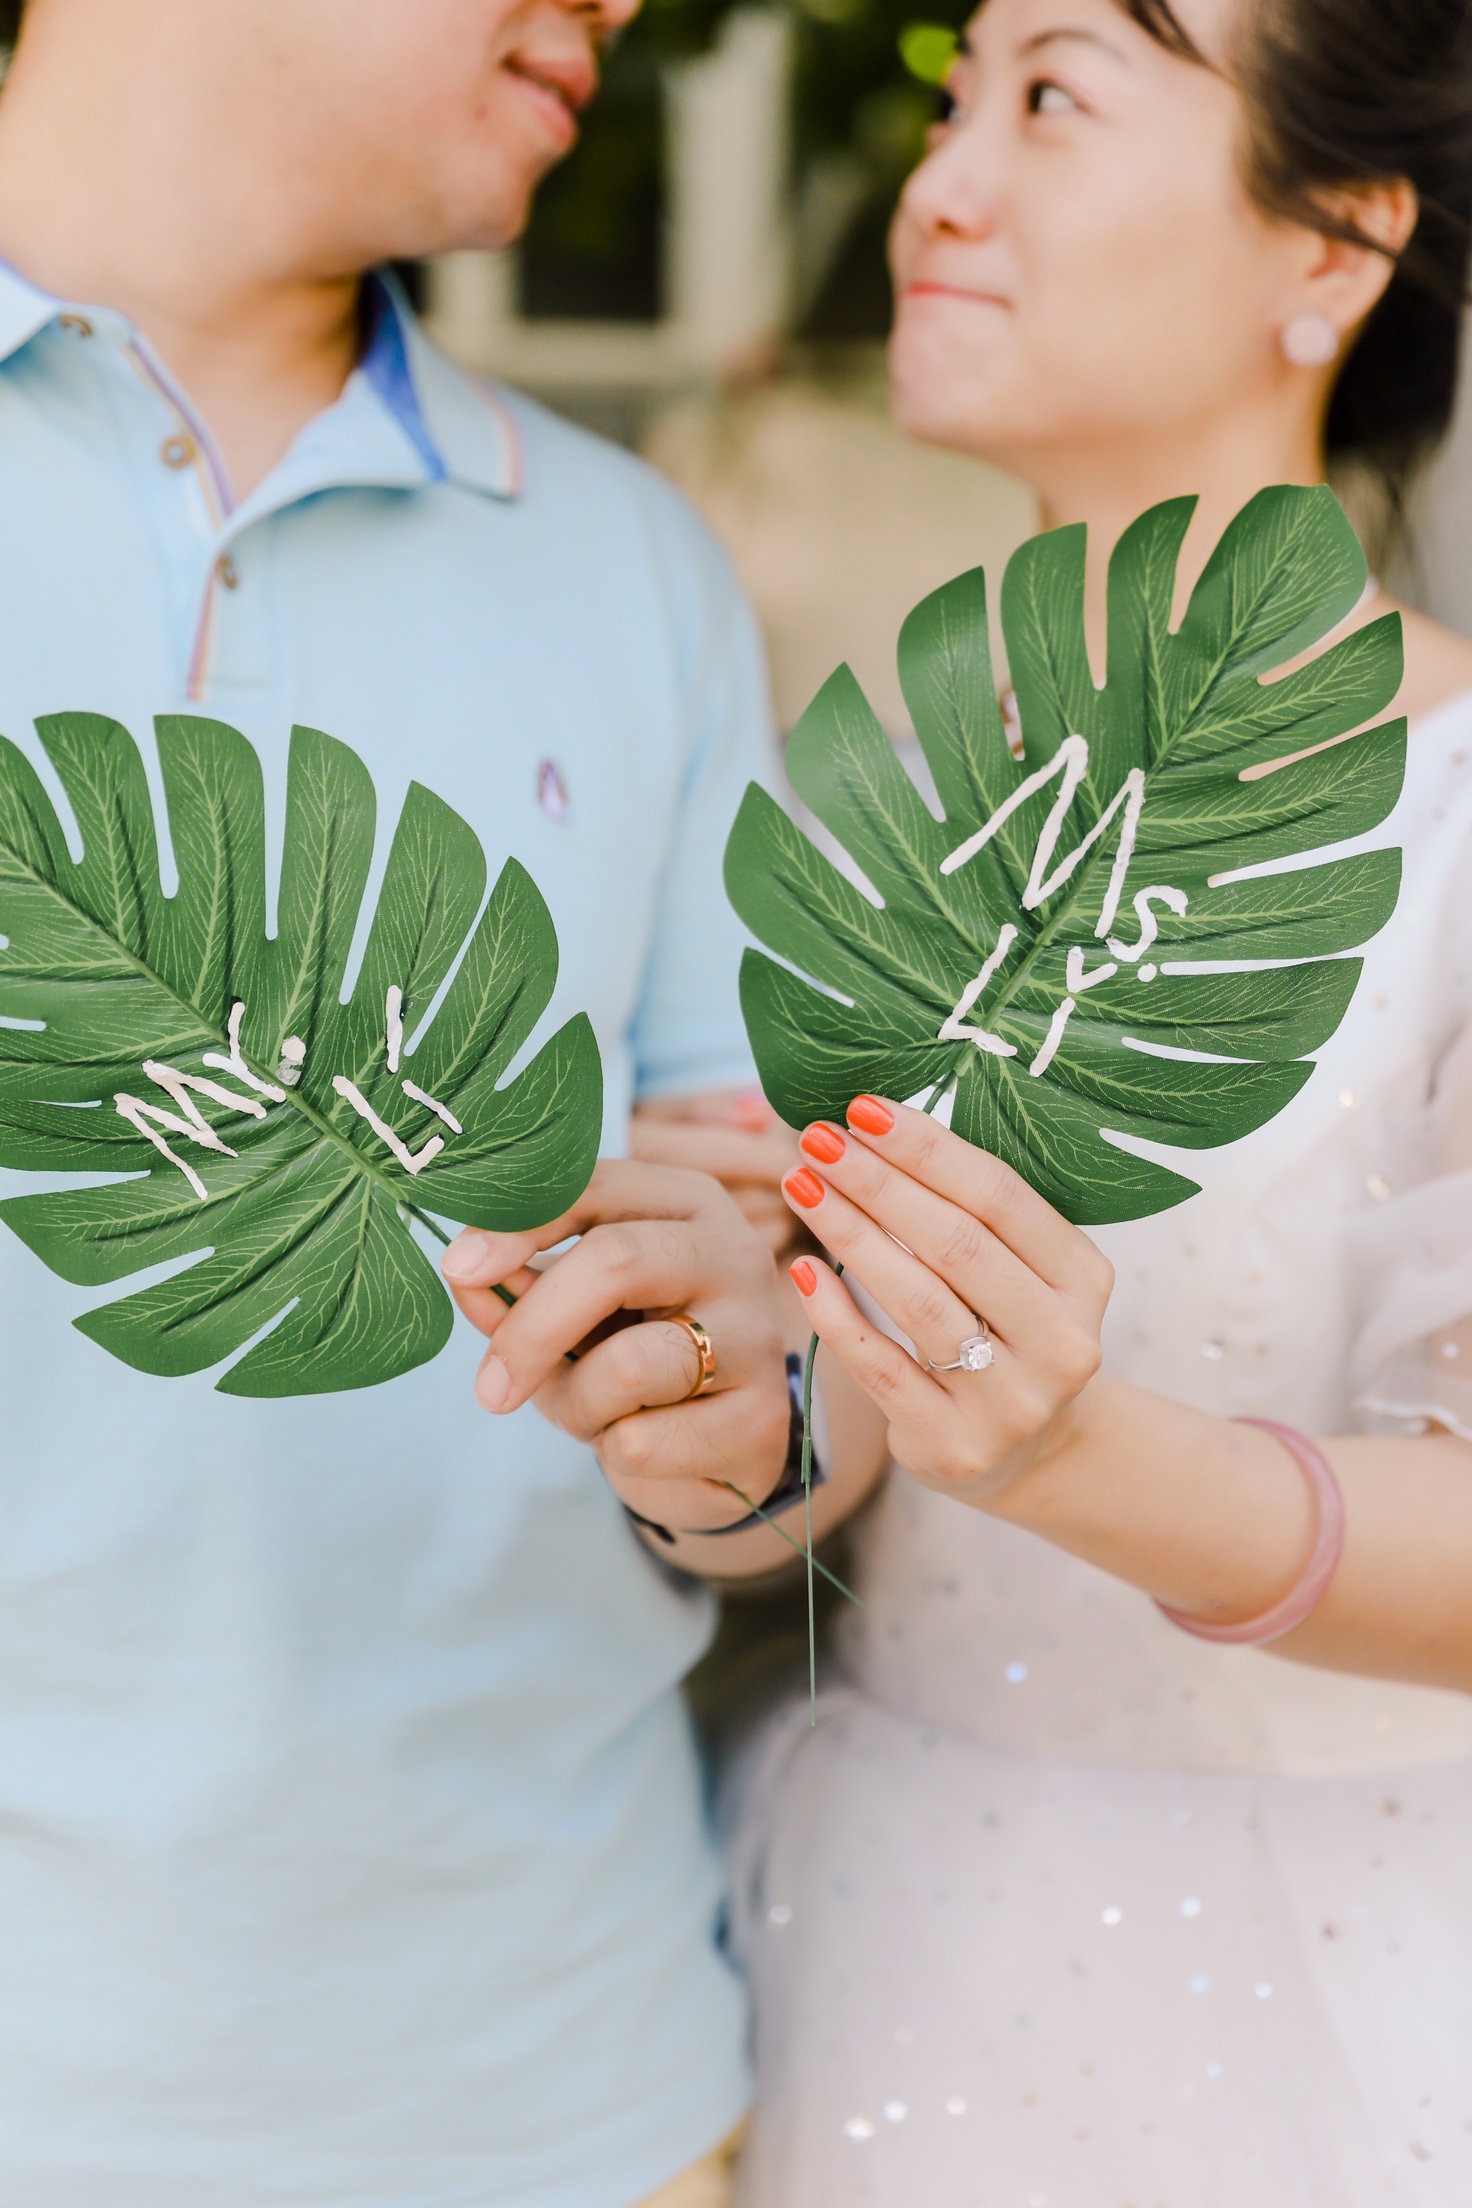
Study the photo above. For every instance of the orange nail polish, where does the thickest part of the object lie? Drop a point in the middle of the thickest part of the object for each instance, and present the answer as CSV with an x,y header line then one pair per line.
x,y
870,1116
805,1188
824,1143
804,1279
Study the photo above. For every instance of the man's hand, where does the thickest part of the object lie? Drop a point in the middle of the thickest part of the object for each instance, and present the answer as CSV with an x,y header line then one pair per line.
x,y
735,1135
589,1339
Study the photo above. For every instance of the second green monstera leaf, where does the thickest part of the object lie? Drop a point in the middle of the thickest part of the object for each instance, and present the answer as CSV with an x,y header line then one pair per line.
x,y
277,1135
1086,943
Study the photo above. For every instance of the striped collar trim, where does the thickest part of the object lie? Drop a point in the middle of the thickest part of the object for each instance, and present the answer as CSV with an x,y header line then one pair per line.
x,y
456,429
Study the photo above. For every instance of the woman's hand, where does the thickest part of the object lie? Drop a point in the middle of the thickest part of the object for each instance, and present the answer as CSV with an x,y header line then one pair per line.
x,y
733,1134
589,1339
941,1236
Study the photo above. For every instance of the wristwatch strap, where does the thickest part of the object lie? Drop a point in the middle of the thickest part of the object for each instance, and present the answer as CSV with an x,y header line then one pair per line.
x,y
789,1488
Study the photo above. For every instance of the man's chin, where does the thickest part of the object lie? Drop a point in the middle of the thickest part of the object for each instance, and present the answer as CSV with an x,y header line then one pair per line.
x,y
483,222
485,206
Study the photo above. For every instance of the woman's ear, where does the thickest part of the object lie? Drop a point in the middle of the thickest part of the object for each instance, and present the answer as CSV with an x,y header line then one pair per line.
x,y
1346,279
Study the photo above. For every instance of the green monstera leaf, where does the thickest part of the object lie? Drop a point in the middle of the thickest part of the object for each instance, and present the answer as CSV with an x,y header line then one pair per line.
x,y
276,1128
1085,945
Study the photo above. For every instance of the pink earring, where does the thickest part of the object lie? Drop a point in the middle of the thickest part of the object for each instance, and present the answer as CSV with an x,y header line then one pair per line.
x,y
1309,341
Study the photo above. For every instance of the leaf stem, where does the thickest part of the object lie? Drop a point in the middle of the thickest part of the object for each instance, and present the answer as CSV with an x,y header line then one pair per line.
x,y
807,1499
807,1504
412,1211
795,1546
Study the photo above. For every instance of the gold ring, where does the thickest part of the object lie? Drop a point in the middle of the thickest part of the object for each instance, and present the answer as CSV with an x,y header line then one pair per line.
x,y
705,1350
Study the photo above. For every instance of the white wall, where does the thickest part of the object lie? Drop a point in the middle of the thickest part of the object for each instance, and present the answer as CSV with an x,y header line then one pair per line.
x,y
1442,518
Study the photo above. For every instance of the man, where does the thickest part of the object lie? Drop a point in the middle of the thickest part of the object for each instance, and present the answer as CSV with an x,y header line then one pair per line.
x,y
350,1849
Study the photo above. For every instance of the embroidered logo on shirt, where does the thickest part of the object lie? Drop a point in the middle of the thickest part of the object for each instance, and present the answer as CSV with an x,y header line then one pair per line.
x,y
552,791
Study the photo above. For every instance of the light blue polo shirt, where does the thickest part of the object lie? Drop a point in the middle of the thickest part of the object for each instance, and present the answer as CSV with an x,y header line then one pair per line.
x,y
350,1841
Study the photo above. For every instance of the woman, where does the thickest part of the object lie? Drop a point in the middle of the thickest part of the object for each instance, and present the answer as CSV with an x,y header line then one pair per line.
x,y
1064,1902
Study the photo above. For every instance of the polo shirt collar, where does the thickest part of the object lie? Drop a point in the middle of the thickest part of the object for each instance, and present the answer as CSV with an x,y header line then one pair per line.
x,y
459,425
24,311
408,415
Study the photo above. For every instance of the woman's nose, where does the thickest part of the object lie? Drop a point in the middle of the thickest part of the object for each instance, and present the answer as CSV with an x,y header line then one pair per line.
x,y
951,192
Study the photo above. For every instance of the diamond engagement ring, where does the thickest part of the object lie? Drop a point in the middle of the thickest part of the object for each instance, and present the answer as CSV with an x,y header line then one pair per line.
x,y
974,1354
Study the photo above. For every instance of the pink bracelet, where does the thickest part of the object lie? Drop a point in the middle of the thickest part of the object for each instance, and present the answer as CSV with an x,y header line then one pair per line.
x,y
1328,1547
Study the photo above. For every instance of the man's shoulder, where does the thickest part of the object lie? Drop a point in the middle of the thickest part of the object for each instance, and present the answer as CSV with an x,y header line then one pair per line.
x,y
565,459
565,470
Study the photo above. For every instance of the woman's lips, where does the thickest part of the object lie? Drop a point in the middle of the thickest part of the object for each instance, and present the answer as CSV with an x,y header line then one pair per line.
x,y
928,288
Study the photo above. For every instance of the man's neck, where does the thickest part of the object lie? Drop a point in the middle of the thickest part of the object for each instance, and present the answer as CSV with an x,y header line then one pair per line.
x,y
192,241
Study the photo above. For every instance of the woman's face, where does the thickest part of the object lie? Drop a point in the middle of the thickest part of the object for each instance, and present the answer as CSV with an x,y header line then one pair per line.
x,y
1077,262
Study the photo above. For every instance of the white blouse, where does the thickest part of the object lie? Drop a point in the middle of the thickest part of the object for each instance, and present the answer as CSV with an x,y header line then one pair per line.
x,y
1059,1903
1313,1280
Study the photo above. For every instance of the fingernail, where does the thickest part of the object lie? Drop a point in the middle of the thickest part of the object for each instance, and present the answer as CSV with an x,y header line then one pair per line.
x,y
870,1116
824,1143
466,1255
805,1188
492,1384
804,1279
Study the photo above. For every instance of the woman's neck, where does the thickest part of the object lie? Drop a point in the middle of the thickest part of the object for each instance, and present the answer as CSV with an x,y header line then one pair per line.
x,y
1222,464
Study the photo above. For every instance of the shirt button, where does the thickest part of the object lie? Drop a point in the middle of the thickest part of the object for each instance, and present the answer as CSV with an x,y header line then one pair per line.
x,y
176,452
77,324
228,572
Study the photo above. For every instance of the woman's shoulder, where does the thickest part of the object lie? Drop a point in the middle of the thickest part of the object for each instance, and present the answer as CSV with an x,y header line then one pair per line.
x,y
1438,667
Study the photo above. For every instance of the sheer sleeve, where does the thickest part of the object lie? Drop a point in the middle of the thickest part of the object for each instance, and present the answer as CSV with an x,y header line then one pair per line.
x,y
1413,1253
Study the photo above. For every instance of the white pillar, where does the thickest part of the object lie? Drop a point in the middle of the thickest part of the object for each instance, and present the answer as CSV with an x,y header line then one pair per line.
x,y
1441,517
470,298
729,150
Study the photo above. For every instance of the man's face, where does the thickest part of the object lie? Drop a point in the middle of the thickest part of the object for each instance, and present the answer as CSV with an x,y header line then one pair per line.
x,y
427,123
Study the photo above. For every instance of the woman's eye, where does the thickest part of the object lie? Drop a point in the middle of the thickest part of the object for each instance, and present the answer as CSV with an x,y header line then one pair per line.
x,y
1047,98
949,109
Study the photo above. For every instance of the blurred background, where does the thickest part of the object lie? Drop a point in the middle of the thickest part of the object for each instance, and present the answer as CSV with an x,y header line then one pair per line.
x,y
705,280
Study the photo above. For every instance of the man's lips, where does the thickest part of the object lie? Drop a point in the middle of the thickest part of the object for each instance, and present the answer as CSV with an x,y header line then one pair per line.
x,y
559,86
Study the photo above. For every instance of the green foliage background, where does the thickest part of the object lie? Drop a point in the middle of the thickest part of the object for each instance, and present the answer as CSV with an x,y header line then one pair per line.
x,y
593,245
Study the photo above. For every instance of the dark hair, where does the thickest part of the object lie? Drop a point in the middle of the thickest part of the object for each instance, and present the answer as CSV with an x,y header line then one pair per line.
x,y
1347,92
